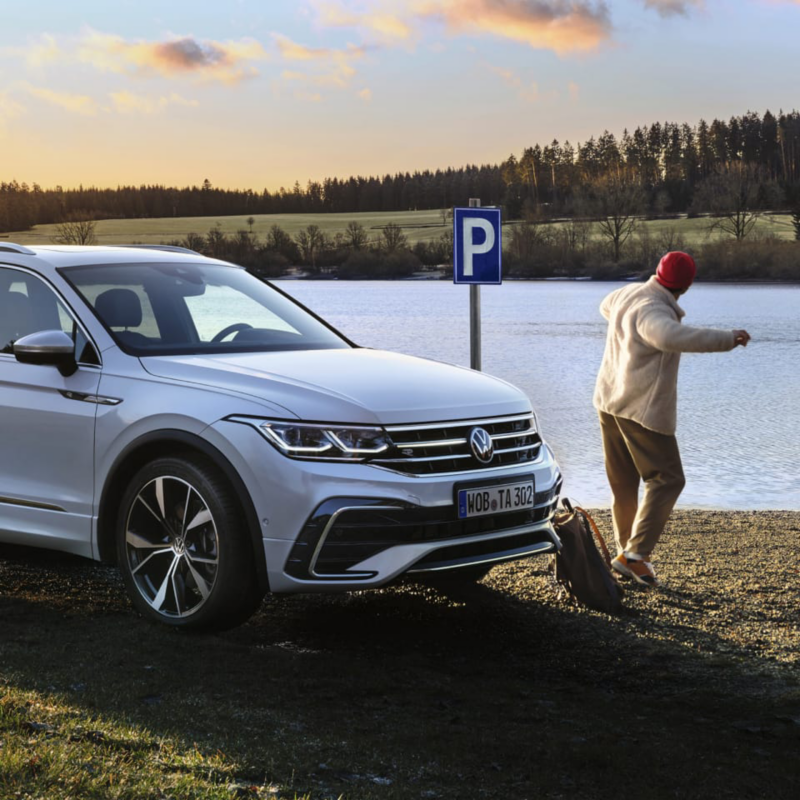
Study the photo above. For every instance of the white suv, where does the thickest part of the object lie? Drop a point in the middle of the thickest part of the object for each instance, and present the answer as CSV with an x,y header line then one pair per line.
x,y
180,417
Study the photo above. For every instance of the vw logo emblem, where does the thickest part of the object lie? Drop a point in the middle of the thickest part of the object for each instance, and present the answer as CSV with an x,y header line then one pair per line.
x,y
481,445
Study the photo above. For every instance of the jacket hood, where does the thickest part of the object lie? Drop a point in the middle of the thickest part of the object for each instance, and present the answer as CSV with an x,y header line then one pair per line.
x,y
653,287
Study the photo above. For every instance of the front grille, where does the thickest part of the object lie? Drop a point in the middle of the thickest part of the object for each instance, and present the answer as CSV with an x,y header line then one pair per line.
x,y
444,447
345,531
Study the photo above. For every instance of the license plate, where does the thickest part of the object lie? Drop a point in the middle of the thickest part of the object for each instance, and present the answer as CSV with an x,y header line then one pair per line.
x,y
494,499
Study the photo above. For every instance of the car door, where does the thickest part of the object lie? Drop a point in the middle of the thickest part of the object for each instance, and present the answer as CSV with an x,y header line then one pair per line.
x,y
46,423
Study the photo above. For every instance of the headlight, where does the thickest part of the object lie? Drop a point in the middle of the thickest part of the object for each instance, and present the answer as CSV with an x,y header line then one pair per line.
x,y
335,442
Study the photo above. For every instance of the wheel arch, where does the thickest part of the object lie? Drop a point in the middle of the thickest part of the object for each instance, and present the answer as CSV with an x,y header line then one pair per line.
x,y
171,443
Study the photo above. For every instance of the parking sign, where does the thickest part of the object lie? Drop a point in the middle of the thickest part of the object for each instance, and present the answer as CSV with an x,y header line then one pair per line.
x,y
477,245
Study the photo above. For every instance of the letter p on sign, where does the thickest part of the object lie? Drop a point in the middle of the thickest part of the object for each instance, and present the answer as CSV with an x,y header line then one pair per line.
x,y
470,247
477,245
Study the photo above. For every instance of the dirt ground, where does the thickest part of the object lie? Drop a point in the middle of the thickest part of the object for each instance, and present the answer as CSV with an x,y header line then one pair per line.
x,y
504,691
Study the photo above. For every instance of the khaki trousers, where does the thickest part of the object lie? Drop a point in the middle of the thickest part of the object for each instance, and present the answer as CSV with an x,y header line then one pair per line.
x,y
634,453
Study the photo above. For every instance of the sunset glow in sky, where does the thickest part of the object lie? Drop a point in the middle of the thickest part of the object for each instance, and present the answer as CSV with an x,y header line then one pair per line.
x,y
260,93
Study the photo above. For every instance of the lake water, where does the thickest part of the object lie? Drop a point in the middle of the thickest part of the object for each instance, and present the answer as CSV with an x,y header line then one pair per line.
x,y
738,412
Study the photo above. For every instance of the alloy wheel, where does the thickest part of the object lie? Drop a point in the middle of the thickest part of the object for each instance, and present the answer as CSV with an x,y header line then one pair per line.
x,y
172,546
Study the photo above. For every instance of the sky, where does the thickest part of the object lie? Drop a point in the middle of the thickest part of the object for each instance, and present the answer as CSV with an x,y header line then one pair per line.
x,y
262,93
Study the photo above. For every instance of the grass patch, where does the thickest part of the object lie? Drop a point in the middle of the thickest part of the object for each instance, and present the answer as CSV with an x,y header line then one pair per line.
x,y
53,747
417,226
155,231
502,691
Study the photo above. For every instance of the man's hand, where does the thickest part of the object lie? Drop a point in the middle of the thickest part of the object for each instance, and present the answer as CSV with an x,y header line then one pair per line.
x,y
741,338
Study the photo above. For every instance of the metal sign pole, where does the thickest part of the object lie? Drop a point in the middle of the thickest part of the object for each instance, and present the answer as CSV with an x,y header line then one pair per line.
x,y
475,313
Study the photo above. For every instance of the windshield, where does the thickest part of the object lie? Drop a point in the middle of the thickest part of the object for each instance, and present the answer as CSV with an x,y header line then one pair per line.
x,y
177,309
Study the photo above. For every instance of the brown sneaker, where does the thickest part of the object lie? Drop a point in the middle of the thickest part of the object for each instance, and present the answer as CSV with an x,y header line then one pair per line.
x,y
641,571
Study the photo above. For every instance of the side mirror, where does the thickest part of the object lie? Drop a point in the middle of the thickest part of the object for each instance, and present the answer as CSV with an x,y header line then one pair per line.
x,y
52,348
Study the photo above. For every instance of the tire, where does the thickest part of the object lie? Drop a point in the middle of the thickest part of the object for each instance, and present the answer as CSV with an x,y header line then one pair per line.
x,y
183,546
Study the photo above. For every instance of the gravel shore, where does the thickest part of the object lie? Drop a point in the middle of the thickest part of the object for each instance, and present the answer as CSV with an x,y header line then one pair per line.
x,y
506,690
731,585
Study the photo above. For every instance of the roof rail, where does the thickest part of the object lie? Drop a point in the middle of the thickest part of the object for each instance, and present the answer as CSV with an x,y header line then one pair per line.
x,y
168,247
10,247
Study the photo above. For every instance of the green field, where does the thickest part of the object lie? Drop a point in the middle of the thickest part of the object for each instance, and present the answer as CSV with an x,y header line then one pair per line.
x,y
417,226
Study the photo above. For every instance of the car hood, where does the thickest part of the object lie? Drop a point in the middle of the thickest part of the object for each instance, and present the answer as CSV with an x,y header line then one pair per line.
x,y
349,385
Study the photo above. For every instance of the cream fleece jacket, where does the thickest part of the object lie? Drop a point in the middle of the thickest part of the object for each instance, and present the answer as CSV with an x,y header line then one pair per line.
x,y
638,378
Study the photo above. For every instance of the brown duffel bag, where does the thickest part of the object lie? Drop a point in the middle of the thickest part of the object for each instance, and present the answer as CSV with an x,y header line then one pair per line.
x,y
580,567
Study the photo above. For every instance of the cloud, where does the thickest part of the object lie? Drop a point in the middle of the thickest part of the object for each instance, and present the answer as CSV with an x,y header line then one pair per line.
x,y
292,51
668,8
527,91
227,62
9,107
309,97
366,95
560,25
125,102
74,103
574,90
37,53
330,80
44,51
384,25
329,67
563,26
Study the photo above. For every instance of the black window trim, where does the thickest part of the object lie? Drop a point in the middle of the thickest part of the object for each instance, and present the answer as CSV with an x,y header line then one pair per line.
x,y
75,317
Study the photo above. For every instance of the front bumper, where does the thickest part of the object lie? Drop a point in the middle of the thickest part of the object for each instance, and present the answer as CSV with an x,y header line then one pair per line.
x,y
338,527
353,538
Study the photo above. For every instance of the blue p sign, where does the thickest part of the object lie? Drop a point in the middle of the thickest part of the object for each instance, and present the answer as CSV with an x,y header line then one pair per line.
x,y
477,245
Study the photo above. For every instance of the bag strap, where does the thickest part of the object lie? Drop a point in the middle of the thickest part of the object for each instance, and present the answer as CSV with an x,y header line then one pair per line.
x,y
597,535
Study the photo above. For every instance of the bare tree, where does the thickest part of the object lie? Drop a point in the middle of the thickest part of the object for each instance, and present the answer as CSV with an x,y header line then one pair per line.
x,y
281,242
575,234
216,243
736,197
194,241
243,246
526,239
670,239
445,245
311,241
393,238
250,222
76,228
616,201
355,236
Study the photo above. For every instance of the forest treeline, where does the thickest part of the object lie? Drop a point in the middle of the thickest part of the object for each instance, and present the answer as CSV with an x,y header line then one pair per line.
x,y
672,166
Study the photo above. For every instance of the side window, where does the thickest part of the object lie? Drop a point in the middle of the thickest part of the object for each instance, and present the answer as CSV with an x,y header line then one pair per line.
x,y
28,305
15,317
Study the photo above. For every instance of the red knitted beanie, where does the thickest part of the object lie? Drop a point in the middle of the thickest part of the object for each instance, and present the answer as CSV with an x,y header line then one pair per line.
x,y
676,270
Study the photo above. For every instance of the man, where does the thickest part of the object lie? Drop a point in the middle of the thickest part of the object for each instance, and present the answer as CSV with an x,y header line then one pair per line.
x,y
636,397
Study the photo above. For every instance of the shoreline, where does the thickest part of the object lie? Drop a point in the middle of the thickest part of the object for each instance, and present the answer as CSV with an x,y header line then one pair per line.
x,y
447,278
